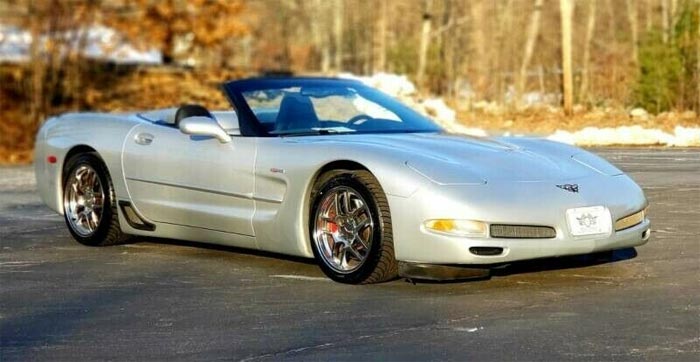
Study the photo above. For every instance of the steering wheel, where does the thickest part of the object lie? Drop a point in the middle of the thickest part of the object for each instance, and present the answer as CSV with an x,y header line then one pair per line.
x,y
359,119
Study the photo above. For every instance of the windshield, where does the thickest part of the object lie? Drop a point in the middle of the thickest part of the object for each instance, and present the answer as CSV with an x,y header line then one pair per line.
x,y
327,107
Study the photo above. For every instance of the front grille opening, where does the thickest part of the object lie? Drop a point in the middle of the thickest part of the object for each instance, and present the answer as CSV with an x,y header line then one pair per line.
x,y
522,231
486,250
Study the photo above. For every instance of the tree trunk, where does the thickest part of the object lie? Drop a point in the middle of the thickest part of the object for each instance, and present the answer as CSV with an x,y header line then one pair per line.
x,y
532,34
590,31
634,28
478,56
318,31
672,11
566,7
504,52
38,70
338,14
648,15
380,37
424,43
445,45
665,20
697,66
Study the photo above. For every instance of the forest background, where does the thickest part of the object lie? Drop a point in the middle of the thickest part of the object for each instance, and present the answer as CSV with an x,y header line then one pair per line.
x,y
505,66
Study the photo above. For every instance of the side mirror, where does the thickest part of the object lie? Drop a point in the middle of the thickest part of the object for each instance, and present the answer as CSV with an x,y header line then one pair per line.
x,y
204,126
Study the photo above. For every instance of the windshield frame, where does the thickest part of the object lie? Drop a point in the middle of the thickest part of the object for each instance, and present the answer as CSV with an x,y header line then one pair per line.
x,y
250,125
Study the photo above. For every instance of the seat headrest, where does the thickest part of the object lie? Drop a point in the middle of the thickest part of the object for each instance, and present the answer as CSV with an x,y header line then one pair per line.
x,y
296,112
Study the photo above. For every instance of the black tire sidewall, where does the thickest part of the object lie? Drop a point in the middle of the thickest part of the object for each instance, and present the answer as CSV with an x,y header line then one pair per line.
x,y
347,179
92,160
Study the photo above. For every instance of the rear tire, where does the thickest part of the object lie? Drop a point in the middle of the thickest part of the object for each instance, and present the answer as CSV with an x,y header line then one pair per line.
x,y
350,228
89,202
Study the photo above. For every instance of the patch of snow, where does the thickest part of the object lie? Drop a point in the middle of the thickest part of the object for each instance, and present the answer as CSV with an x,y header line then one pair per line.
x,y
629,135
437,108
639,113
398,86
686,136
106,43
101,42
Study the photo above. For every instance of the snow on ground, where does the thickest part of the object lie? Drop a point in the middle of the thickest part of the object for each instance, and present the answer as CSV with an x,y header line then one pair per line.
x,y
399,86
629,135
101,42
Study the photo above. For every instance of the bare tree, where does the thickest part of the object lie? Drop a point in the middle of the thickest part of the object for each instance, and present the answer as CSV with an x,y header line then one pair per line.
x,y
380,37
503,53
648,15
208,24
424,42
634,28
665,20
590,30
532,33
477,39
566,9
338,14
321,39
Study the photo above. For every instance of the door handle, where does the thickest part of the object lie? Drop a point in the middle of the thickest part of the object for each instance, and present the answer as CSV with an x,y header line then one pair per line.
x,y
144,139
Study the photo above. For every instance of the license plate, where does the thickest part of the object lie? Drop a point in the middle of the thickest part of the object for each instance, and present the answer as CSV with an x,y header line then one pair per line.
x,y
592,220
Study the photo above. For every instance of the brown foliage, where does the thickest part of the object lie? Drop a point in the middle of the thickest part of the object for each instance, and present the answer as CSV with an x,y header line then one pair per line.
x,y
130,89
161,23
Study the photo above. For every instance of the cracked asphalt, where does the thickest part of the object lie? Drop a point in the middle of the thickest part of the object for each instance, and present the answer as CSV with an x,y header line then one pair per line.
x,y
166,300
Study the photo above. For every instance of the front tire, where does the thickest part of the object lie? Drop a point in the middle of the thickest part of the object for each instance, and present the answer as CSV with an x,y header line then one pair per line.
x,y
350,228
89,203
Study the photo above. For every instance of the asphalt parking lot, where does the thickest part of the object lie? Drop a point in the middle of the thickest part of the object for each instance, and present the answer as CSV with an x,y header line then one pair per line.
x,y
167,300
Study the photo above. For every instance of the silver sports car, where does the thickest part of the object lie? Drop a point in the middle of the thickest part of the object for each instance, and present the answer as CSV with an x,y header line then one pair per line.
x,y
334,170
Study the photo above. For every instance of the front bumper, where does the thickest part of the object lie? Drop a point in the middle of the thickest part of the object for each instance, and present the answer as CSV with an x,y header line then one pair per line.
x,y
524,204
456,250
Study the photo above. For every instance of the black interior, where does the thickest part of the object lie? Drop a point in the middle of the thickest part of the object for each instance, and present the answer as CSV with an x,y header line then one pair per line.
x,y
296,112
190,110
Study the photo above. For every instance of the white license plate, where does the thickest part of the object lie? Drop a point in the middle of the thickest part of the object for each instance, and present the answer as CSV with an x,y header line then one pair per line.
x,y
592,220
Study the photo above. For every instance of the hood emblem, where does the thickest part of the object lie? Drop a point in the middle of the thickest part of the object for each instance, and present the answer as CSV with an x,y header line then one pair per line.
x,y
569,187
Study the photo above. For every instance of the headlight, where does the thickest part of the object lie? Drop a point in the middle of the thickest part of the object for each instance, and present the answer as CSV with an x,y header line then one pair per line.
x,y
630,220
596,163
470,228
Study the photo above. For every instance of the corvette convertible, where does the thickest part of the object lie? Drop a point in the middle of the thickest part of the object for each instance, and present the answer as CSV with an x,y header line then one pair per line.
x,y
334,170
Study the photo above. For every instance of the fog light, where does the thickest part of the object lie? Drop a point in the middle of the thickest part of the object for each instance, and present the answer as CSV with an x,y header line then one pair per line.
x,y
469,228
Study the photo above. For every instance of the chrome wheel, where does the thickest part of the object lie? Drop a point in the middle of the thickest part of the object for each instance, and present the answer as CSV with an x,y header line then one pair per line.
x,y
343,229
83,200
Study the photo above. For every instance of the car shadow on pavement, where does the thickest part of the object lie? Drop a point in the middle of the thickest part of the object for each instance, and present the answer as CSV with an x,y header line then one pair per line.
x,y
224,248
544,264
565,262
514,268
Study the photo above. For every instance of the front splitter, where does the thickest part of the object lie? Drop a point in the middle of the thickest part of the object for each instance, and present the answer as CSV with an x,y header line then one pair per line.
x,y
438,272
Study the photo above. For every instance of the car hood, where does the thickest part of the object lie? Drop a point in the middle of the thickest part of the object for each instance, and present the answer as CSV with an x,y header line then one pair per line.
x,y
459,159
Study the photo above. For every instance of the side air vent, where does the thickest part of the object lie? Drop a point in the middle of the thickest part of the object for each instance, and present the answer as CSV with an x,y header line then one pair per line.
x,y
133,218
522,232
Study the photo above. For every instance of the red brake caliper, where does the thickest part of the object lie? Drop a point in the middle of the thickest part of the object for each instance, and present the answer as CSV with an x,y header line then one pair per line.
x,y
332,227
